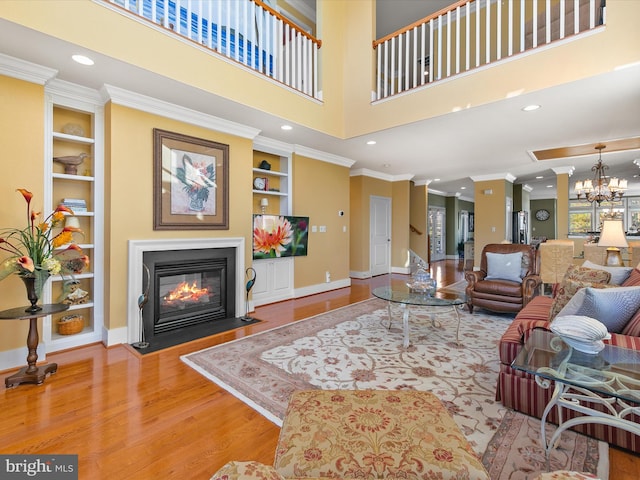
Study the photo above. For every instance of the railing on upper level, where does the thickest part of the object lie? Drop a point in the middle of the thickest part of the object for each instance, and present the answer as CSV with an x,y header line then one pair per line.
x,y
470,34
248,32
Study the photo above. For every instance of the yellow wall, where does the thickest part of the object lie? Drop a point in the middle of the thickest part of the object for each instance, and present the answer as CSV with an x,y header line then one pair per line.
x,y
400,206
418,218
21,117
131,196
346,31
321,190
490,214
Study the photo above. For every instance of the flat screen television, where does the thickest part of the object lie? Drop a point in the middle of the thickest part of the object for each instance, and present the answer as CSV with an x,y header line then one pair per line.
x,y
279,236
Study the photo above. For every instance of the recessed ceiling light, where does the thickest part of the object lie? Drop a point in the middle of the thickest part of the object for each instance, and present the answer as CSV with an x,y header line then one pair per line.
x,y
530,108
81,59
436,179
386,165
371,142
286,127
539,177
463,188
549,186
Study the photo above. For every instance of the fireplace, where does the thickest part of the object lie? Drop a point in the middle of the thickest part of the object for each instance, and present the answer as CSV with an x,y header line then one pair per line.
x,y
188,288
195,284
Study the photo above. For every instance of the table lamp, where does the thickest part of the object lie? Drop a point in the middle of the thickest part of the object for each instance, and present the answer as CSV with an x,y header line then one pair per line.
x,y
264,203
613,237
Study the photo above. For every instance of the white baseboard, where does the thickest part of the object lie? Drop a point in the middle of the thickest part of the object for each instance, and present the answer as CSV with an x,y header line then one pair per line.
x,y
321,287
403,270
17,357
360,275
114,336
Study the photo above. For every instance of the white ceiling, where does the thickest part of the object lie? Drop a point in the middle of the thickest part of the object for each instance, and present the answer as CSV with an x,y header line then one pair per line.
x,y
486,140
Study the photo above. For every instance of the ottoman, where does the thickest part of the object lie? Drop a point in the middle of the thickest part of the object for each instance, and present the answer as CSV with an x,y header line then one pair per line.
x,y
372,434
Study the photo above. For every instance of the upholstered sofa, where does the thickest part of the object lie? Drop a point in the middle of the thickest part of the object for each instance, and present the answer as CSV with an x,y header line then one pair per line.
x,y
519,391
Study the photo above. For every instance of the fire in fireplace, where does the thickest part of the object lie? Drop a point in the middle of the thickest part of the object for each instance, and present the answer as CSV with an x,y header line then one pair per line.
x,y
187,289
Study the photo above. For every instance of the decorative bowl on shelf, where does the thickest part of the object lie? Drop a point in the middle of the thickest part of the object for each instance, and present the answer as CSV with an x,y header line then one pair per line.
x,y
70,324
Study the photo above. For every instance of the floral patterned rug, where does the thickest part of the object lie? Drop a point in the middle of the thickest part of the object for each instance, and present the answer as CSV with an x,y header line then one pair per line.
x,y
355,347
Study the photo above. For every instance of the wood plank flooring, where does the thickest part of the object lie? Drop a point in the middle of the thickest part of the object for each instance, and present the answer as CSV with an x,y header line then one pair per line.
x,y
143,417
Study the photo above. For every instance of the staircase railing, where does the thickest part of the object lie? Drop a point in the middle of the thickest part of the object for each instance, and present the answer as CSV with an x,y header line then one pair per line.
x,y
471,34
248,32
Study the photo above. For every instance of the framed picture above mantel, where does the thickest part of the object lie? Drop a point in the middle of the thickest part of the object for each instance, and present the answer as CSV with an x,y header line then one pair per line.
x,y
190,183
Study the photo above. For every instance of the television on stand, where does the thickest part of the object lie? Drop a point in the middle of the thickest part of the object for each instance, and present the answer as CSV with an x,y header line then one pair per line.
x,y
277,236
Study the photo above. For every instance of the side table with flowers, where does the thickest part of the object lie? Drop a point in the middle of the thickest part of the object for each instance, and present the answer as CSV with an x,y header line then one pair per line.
x,y
35,253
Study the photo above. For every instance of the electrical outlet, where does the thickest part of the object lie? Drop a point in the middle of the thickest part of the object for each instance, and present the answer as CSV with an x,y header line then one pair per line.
x,y
323,228
327,276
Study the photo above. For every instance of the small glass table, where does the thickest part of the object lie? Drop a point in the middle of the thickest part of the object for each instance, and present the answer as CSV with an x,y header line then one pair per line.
x,y
610,378
405,297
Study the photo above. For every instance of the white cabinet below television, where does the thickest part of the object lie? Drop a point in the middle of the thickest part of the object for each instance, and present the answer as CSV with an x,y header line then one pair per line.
x,y
274,280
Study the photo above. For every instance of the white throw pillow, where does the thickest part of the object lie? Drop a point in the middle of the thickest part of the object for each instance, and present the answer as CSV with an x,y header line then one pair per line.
x,y
612,306
618,274
504,266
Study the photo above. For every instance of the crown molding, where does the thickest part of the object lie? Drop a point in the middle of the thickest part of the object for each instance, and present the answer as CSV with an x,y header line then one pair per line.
x,y
324,156
73,92
27,71
275,147
494,176
176,112
365,172
527,188
561,170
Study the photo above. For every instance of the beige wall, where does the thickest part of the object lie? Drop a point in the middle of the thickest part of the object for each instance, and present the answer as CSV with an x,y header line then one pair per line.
x,y
130,198
346,31
321,190
490,214
400,234
418,218
21,137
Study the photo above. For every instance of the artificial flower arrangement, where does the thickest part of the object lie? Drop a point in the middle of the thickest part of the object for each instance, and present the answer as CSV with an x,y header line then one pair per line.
x,y
36,251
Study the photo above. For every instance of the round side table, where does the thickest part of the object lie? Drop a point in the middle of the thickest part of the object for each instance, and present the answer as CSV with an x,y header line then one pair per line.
x,y
31,373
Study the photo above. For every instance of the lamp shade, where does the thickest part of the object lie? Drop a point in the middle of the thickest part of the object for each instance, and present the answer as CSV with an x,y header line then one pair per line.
x,y
264,202
71,222
612,234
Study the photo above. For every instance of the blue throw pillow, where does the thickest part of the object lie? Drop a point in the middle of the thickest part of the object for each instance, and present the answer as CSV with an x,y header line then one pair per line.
x,y
618,274
612,306
504,266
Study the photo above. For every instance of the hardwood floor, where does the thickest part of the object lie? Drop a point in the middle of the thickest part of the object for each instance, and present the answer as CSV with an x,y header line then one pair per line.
x,y
142,417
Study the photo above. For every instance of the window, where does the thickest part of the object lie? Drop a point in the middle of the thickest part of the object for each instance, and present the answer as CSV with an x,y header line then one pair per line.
x,y
580,217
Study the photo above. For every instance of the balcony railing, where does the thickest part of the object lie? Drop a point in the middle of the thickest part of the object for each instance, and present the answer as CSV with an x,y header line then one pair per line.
x,y
471,34
247,32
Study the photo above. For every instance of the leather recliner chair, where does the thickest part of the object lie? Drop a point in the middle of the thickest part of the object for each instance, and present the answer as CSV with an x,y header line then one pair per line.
x,y
500,295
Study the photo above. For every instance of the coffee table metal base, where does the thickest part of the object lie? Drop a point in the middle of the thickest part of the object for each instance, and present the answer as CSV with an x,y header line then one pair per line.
x,y
434,323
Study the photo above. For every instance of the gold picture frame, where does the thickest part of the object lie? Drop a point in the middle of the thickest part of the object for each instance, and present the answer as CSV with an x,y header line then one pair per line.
x,y
190,183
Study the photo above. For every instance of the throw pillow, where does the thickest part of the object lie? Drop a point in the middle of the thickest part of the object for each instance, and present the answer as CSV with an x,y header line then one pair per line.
x,y
612,306
504,266
618,274
584,274
565,292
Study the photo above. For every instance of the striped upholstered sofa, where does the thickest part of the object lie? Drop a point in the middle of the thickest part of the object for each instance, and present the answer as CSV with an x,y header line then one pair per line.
x,y
519,391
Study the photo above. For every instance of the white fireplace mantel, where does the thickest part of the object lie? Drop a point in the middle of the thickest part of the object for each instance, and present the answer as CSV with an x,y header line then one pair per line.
x,y
135,277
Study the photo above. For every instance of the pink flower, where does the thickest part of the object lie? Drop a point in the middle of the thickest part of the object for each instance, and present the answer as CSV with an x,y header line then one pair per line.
x,y
26,263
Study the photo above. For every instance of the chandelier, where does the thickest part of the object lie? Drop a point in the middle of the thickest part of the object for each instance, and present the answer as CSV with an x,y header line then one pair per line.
x,y
601,188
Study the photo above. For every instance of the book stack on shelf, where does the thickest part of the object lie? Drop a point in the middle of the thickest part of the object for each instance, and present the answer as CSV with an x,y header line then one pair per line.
x,y
78,205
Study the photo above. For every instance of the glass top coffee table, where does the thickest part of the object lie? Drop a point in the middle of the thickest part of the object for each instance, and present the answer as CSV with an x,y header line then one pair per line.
x,y
610,378
404,297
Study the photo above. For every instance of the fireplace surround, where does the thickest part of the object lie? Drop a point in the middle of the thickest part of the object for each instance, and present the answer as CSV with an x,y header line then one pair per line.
x,y
136,277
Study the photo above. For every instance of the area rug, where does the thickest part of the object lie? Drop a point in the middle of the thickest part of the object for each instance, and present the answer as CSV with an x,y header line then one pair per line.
x,y
355,347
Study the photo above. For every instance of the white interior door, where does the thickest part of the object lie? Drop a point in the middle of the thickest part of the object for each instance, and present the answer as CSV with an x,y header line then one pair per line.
x,y
380,232
437,233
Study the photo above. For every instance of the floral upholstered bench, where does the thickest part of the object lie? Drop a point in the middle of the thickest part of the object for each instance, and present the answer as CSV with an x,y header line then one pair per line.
x,y
365,434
